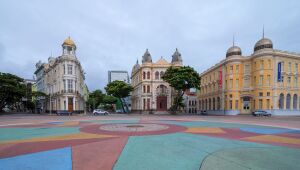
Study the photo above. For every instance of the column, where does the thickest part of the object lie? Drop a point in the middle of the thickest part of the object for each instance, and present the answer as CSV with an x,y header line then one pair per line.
x,y
67,103
73,103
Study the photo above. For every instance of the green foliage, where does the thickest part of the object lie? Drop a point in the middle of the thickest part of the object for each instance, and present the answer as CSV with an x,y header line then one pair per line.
x,y
181,79
109,99
118,89
95,99
12,89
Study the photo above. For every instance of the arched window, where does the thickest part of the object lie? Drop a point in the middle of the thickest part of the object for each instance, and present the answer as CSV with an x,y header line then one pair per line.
x,y
281,101
156,75
214,102
148,75
144,75
161,74
295,101
218,103
288,101
209,105
148,89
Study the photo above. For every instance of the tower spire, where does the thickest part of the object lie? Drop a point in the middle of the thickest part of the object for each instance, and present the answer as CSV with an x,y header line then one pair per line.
x,y
263,31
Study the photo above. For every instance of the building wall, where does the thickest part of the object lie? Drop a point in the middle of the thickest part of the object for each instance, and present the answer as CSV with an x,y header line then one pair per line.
x,y
253,77
147,88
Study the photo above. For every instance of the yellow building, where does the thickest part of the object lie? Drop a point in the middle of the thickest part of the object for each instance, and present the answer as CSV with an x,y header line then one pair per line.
x,y
268,79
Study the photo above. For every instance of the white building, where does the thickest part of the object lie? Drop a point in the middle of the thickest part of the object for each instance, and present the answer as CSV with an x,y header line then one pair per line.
x,y
62,78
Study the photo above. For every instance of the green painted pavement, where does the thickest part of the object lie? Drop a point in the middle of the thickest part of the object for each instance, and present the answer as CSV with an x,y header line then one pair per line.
x,y
253,158
179,151
8,134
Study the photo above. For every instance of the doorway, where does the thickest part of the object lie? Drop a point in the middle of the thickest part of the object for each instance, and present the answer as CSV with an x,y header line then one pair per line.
x,y
70,104
161,103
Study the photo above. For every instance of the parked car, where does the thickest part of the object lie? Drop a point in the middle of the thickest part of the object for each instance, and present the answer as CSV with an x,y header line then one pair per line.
x,y
203,112
261,113
119,111
100,112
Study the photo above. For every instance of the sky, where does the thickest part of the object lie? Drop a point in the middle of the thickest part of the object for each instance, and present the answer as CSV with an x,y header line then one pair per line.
x,y
113,35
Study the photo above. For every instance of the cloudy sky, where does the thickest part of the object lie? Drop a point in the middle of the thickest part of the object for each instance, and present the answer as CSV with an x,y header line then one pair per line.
x,y
112,35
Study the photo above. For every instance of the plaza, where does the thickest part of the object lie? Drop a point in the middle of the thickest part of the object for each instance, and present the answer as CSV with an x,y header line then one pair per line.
x,y
149,142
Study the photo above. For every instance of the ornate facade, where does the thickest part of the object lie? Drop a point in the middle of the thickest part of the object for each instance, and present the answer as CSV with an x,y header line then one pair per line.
x,y
150,91
62,78
268,80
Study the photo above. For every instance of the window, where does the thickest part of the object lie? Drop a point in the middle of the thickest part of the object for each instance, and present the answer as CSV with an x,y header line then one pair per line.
x,y
231,83
236,104
268,93
269,63
144,89
148,75
144,75
268,80
261,80
156,75
261,94
65,85
231,69
237,83
148,89
237,68
268,103
296,81
296,67
70,67
260,104
254,81
64,69
70,85
289,81
246,81
262,64
247,69
290,67
230,104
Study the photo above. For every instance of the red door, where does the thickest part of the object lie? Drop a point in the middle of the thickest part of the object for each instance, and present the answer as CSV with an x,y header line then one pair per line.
x,y
161,103
70,104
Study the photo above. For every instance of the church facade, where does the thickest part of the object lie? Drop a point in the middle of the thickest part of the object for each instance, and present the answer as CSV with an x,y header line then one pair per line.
x,y
150,92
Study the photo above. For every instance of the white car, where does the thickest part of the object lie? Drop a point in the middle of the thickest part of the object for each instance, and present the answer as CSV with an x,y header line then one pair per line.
x,y
100,112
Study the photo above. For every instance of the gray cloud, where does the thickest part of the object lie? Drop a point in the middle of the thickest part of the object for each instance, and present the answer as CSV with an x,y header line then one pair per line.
x,y
111,35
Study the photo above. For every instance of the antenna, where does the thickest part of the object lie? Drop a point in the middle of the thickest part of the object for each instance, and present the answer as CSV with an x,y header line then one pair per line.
x,y
233,40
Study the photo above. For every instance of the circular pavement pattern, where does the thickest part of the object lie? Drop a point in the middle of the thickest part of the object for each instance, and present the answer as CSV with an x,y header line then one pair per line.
x,y
139,127
132,129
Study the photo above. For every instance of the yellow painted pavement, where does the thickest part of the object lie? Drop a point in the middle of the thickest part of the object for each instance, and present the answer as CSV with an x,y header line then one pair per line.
x,y
204,130
60,138
274,138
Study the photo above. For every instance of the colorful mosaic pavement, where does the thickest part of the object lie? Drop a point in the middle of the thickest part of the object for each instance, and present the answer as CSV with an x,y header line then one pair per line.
x,y
138,143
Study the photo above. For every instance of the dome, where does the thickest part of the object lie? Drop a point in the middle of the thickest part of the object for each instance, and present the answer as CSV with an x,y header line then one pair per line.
x,y
136,66
263,43
147,57
176,57
234,50
69,41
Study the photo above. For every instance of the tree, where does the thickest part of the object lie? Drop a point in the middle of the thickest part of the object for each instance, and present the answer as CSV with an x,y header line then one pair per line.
x,y
12,89
119,89
109,100
95,98
181,79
